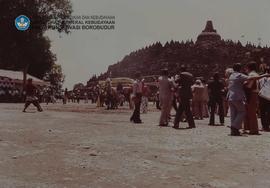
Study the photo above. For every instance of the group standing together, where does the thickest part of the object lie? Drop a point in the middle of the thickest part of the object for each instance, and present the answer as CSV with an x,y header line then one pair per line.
x,y
242,90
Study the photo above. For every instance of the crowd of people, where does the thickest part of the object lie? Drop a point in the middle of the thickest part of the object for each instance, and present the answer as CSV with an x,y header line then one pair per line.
x,y
241,89
18,95
10,95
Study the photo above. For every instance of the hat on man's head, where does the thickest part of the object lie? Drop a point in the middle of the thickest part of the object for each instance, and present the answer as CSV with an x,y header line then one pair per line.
x,y
183,68
165,72
198,81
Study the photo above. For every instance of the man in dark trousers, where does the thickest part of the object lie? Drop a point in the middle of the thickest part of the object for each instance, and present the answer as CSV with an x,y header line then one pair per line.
x,y
216,92
31,90
264,101
184,82
137,98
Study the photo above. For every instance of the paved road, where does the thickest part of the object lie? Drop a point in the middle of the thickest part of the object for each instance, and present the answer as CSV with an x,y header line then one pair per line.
x,y
78,146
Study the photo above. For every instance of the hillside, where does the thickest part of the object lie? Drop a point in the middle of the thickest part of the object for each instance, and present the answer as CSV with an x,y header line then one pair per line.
x,y
209,54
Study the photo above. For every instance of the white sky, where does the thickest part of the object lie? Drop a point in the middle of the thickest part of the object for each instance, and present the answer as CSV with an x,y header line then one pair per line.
x,y
143,22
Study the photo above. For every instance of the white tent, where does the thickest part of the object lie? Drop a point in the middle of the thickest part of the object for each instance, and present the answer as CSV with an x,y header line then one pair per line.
x,y
10,78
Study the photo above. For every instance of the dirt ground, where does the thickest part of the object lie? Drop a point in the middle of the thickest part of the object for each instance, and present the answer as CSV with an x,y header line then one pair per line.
x,y
78,146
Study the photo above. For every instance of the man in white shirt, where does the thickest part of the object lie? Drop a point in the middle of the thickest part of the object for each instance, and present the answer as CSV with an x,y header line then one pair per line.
x,y
165,97
237,98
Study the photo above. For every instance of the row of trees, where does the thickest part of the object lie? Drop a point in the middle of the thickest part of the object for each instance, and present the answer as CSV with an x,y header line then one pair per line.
x,y
202,59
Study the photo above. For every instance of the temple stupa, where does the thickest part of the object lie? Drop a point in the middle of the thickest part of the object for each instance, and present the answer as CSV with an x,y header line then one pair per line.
x,y
209,34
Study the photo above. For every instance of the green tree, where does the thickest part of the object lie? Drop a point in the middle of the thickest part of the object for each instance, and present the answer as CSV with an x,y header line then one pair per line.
x,y
56,78
30,50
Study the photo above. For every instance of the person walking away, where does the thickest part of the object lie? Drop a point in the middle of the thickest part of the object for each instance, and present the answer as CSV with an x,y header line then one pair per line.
x,y
185,95
175,100
85,97
251,88
119,89
227,74
65,99
165,98
205,99
197,99
264,101
137,98
30,91
216,90
109,95
145,94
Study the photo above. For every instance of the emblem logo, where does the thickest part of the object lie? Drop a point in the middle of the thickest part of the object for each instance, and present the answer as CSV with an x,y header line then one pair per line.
x,y
22,23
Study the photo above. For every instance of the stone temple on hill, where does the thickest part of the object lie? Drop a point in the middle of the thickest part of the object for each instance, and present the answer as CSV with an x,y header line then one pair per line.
x,y
209,34
208,55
